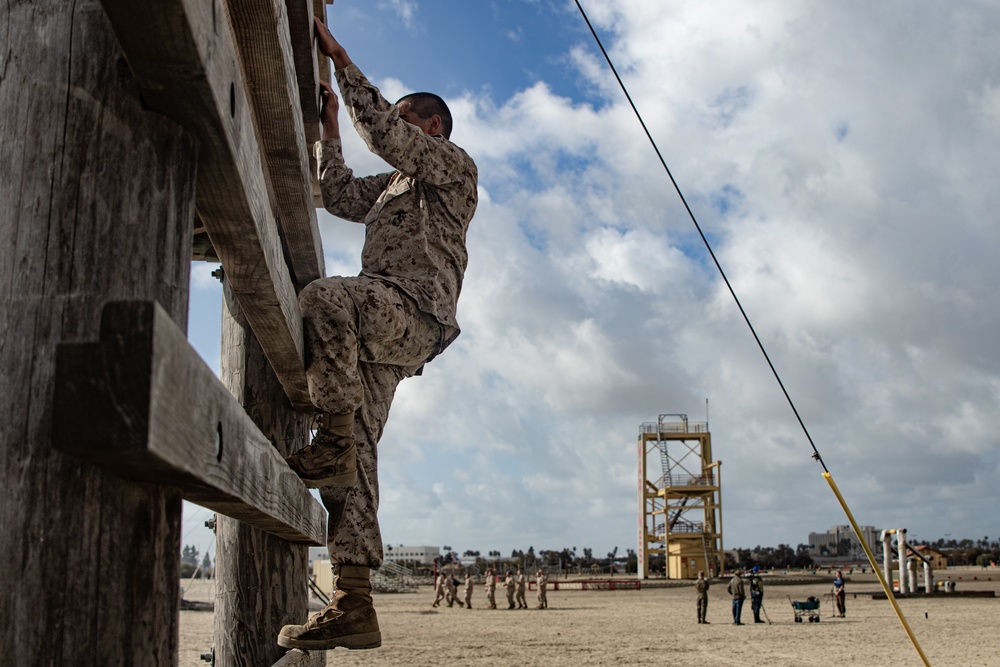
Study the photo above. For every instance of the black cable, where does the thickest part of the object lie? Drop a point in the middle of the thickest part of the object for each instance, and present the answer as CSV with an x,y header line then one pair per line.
x,y
708,246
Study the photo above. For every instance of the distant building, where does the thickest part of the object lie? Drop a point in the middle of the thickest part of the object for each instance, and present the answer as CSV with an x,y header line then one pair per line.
x,y
840,543
421,555
939,561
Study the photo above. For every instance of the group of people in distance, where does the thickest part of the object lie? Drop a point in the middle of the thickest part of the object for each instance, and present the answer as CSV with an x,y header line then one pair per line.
x,y
738,586
446,589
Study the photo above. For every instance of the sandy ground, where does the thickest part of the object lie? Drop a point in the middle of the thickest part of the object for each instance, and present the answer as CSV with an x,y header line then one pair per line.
x,y
657,626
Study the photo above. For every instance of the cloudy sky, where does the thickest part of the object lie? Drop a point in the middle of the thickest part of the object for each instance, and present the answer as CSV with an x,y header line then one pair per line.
x,y
840,159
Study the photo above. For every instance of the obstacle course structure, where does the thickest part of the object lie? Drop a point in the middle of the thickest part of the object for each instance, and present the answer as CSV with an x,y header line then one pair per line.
x,y
138,135
907,558
680,506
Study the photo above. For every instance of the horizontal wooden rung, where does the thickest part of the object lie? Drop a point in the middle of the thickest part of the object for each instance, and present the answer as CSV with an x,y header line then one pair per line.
x,y
141,403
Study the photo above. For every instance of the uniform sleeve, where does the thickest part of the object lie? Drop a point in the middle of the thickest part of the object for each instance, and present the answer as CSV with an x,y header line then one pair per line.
x,y
344,195
434,160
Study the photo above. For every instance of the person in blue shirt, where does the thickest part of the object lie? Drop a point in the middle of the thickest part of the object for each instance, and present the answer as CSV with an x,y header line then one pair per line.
x,y
839,595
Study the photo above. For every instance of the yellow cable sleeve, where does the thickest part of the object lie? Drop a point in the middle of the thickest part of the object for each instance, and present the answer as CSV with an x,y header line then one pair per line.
x,y
875,568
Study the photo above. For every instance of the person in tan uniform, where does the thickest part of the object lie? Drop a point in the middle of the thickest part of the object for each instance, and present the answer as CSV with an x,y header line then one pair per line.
x,y
701,586
439,589
365,334
491,588
468,590
542,581
509,584
521,586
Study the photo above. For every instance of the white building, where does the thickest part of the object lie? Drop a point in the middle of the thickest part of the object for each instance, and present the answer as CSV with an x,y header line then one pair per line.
x,y
825,545
401,553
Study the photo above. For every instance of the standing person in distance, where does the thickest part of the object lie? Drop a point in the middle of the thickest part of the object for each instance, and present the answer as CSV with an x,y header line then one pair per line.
x,y
840,594
542,581
701,586
756,593
468,590
737,588
521,586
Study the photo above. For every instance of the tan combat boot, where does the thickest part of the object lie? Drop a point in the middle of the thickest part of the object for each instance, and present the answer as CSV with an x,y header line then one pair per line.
x,y
349,620
331,459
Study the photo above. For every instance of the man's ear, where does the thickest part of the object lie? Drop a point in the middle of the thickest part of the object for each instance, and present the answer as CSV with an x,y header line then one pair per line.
x,y
436,124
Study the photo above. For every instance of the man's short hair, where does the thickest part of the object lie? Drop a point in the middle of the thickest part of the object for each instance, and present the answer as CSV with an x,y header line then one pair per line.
x,y
426,105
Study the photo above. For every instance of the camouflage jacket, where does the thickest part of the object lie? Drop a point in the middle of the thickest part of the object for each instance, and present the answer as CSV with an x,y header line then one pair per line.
x,y
416,217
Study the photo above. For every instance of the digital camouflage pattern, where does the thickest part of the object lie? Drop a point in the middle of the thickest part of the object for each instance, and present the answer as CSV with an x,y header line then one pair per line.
x,y
416,218
364,334
348,321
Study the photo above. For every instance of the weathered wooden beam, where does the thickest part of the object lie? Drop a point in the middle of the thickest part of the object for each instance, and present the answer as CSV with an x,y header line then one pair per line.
x,y
184,56
264,40
141,403
262,580
96,202
310,68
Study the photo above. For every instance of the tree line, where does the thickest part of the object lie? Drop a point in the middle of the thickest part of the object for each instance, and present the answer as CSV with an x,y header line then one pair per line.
x,y
960,552
193,567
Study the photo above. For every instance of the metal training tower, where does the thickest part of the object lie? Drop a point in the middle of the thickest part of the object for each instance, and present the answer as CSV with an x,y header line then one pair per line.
x,y
680,497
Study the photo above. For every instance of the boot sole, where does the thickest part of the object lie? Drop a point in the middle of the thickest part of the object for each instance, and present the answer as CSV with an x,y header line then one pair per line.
x,y
361,641
343,479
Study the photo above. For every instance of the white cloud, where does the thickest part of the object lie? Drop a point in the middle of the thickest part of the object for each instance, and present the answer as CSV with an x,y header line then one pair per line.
x,y
406,10
840,159
840,176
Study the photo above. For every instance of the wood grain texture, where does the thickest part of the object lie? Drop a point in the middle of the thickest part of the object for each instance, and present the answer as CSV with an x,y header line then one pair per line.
x,y
85,173
142,404
261,579
311,67
262,34
185,58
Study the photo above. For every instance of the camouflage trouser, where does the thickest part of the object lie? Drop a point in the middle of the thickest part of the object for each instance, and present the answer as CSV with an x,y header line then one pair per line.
x,y
362,336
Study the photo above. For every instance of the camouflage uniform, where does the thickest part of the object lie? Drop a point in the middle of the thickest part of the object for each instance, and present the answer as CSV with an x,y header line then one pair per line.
x,y
509,584
521,585
542,581
701,586
468,591
439,590
491,589
756,595
364,334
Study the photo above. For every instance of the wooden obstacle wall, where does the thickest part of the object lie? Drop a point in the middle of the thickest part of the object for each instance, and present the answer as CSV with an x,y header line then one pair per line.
x,y
126,125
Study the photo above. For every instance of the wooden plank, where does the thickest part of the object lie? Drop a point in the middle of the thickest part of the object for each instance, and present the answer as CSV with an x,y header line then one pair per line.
x,y
311,67
262,579
142,404
262,31
96,202
184,57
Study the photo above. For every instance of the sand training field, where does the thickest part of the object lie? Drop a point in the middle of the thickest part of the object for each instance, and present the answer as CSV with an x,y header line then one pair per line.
x,y
657,626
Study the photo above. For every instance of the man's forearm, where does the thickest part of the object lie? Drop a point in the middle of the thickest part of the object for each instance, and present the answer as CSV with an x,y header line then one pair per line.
x,y
330,47
340,58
